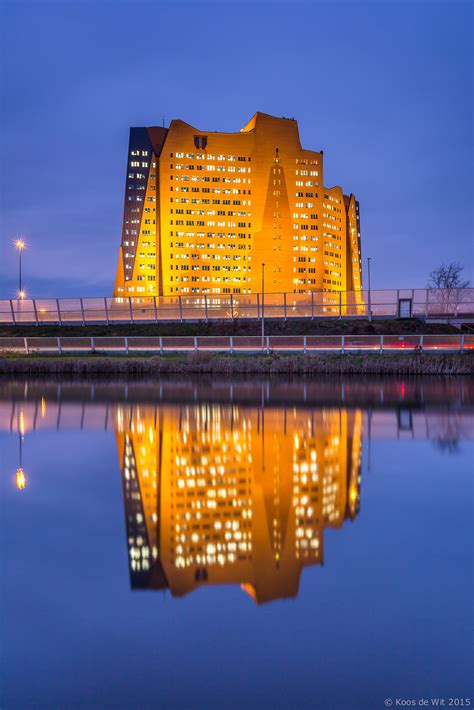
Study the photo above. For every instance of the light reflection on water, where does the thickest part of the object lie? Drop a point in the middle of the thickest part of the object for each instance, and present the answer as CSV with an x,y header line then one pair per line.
x,y
237,483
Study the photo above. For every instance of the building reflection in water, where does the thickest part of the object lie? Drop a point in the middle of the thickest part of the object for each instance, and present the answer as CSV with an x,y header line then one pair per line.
x,y
234,482
219,494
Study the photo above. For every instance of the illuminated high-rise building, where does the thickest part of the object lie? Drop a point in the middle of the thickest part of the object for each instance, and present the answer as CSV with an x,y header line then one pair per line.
x,y
204,210
226,495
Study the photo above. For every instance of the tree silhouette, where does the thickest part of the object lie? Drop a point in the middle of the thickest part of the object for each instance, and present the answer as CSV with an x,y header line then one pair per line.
x,y
447,287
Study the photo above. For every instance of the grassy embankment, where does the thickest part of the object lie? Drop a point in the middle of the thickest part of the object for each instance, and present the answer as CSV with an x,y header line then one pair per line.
x,y
208,363
293,326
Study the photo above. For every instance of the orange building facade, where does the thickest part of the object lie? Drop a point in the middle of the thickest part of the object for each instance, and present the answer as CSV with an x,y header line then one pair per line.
x,y
204,210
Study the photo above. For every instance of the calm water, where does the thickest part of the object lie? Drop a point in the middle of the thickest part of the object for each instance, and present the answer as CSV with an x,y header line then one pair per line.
x,y
219,544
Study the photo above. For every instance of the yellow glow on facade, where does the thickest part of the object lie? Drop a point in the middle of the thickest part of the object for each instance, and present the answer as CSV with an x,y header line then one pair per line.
x,y
203,211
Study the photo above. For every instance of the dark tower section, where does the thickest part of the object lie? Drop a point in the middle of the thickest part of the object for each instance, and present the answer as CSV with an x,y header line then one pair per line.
x,y
138,169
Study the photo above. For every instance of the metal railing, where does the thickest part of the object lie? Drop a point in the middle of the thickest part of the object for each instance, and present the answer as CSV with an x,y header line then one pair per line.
x,y
238,344
437,304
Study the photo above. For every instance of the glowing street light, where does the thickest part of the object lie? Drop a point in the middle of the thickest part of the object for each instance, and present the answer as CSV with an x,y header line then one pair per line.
x,y
20,245
20,479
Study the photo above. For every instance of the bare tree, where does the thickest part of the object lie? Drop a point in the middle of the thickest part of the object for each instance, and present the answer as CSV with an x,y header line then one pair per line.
x,y
448,287
448,276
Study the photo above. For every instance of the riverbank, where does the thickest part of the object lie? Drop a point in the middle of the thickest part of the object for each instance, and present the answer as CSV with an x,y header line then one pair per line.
x,y
273,326
210,363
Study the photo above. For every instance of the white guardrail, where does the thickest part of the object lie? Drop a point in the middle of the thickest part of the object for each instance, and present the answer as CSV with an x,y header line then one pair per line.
x,y
420,303
238,344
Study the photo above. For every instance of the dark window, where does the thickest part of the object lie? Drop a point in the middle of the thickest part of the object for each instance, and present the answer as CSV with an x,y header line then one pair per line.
x,y
200,142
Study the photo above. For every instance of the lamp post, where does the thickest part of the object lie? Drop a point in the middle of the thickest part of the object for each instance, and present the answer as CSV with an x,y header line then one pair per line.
x,y
263,305
370,296
20,474
20,245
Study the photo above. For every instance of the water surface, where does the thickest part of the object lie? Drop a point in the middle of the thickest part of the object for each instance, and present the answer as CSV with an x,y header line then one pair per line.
x,y
209,544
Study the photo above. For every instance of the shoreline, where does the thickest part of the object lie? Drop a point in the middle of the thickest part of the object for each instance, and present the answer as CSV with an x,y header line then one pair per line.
x,y
249,327
451,364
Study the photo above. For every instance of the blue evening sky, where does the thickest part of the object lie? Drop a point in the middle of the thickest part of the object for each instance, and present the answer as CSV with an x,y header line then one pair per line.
x,y
384,88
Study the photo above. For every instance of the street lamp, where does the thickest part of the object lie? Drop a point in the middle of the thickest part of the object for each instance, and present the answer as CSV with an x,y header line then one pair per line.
x,y
20,245
20,474
370,298
20,479
263,305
